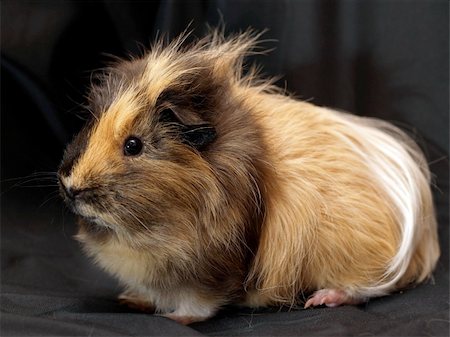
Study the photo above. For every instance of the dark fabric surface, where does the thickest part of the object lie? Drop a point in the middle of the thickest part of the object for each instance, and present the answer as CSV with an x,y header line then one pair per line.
x,y
377,58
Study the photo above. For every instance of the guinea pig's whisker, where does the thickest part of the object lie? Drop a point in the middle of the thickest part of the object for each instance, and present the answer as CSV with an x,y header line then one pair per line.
x,y
42,185
40,180
52,196
33,176
37,179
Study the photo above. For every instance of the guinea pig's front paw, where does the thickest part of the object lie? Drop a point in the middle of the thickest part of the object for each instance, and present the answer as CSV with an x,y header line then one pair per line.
x,y
134,301
185,320
191,312
331,298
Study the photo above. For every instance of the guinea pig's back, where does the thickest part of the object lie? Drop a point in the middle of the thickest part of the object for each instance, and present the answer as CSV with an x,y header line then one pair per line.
x,y
351,198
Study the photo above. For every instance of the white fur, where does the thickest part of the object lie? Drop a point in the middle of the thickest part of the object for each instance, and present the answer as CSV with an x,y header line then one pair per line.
x,y
178,302
397,167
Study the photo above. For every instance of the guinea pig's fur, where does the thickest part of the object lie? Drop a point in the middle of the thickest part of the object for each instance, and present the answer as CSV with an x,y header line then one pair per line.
x,y
235,193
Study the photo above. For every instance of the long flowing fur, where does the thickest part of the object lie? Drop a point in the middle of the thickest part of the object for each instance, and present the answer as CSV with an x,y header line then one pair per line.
x,y
358,196
288,198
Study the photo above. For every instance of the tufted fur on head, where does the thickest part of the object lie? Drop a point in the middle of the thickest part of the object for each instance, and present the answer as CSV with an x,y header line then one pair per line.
x,y
198,186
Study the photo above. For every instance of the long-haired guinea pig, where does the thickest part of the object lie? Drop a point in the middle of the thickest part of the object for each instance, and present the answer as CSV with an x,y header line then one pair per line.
x,y
199,186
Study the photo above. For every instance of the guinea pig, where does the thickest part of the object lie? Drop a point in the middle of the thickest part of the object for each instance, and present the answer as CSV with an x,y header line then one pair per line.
x,y
200,185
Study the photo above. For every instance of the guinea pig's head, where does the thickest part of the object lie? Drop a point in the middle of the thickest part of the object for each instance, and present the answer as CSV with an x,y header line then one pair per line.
x,y
169,143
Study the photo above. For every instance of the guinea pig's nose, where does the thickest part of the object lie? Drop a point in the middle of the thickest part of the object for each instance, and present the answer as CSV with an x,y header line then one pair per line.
x,y
72,192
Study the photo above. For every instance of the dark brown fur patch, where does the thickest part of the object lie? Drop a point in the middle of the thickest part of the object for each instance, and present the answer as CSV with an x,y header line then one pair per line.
x,y
74,150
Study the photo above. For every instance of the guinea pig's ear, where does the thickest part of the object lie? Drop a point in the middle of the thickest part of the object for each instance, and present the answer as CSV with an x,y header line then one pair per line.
x,y
191,128
199,136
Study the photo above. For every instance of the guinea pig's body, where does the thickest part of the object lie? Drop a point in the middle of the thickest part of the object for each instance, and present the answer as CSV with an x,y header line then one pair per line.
x,y
198,187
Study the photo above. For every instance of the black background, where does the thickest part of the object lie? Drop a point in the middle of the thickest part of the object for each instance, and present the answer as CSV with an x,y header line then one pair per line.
x,y
387,59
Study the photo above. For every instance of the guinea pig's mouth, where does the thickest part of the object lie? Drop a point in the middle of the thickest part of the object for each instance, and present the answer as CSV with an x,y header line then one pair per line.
x,y
87,205
89,214
79,203
81,209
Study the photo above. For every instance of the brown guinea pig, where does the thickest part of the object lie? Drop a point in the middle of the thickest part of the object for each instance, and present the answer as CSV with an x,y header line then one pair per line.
x,y
198,186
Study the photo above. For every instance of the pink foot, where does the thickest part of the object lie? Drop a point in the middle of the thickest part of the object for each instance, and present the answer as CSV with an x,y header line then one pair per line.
x,y
331,298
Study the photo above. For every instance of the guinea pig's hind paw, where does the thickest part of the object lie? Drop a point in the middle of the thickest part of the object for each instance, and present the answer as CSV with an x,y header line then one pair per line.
x,y
331,298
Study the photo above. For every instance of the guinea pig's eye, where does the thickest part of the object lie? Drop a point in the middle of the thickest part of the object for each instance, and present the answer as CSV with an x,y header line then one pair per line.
x,y
133,146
